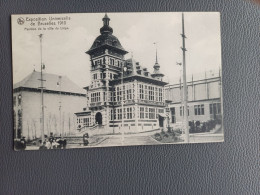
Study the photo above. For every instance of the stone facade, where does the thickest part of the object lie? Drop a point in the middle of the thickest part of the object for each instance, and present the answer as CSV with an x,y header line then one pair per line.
x,y
123,96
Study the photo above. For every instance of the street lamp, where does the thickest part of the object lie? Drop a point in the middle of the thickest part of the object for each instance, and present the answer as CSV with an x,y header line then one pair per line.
x,y
124,69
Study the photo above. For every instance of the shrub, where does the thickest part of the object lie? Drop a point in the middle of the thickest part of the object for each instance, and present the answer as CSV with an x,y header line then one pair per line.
x,y
165,135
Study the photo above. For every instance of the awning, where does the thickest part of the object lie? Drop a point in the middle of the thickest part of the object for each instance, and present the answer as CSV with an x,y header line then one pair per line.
x,y
163,115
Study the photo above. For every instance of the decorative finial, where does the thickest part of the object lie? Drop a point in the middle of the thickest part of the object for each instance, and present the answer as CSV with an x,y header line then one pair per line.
x,y
106,20
106,29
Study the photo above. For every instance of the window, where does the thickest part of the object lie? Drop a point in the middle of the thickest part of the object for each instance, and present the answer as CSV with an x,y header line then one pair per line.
x,y
119,114
182,110
151,93
173,114
95,97
123,92
146,113
145,93
111,115
86,122
114,114
161,110
141,91
141,112
151,113
95,76
199,109
129,92
129,113
156,94
160,95
118,94
215,108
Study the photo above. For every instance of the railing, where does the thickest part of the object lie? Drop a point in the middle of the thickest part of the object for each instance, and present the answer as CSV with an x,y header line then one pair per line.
x,y
151,102
97,66
95,104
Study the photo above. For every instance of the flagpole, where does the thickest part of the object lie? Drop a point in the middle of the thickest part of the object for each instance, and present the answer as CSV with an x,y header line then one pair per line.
x,y
42,100
61,129
185,91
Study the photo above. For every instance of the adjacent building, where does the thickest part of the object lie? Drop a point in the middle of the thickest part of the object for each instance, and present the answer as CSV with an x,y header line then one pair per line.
x,y
62,98
204,98
123,95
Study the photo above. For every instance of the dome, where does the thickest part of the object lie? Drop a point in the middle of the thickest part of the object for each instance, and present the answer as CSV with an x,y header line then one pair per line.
x,y
106,38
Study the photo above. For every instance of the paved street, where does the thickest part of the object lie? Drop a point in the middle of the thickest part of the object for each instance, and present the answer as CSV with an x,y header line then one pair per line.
x,y
116,140
206,137
142,139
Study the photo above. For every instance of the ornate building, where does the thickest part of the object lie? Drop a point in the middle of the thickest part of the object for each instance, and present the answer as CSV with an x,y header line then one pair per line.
x,y
123,96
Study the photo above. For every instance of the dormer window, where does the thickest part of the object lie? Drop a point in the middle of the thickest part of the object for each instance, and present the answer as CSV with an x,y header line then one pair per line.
x,y
97,43
114,43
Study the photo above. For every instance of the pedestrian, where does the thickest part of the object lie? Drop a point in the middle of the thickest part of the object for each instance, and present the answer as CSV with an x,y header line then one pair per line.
x,y
54,144
43,146
48,144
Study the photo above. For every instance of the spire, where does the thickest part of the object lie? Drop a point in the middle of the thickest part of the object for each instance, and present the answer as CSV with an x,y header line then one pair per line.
x,y
156,67
106,20
106,29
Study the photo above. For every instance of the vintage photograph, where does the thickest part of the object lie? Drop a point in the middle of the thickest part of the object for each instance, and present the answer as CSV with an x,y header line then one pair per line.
x,y
116,79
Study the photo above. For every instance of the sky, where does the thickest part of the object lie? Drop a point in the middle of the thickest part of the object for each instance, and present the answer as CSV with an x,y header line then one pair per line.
x,y
64,50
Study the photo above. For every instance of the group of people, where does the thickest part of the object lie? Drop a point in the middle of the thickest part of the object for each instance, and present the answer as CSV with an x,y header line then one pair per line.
x,y
53,143
20,143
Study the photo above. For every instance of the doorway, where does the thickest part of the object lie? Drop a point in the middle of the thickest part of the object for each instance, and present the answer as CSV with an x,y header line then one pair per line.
x,y
98,118
161,119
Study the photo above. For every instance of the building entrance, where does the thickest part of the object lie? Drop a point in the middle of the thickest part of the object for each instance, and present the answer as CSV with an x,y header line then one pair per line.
x,y
161,121
99,118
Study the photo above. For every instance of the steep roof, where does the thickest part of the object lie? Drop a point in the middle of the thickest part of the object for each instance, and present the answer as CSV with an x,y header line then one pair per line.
x,y
135,70
106,39
50,83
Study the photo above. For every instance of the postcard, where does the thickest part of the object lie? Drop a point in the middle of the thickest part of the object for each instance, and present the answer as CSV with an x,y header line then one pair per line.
x,y
116,79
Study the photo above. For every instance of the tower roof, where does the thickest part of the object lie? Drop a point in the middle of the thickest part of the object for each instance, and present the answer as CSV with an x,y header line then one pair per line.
x,y
156,67
106,39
